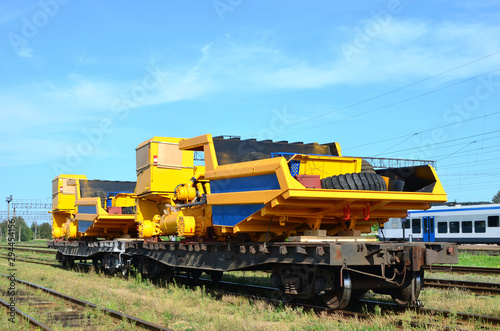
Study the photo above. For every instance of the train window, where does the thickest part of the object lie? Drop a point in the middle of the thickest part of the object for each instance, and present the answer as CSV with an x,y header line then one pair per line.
x,y
479,226
406,224
493,221
454,227
416,226
442,227
467,227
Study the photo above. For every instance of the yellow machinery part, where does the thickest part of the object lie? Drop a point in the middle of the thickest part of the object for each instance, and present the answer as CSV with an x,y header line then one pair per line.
x,y
185,192
56,232
186,226
178,224
148,229
70,229
175,224
58,220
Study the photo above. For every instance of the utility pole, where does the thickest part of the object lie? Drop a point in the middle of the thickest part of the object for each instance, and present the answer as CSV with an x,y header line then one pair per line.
x,y
19,224
8,199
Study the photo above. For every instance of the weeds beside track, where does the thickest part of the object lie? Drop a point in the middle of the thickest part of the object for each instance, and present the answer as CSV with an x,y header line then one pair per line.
x,y
70,312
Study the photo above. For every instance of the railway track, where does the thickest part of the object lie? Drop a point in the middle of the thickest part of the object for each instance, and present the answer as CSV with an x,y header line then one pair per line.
x,y
493,250
390,306
25,249
457,269
68,312
272,296
476,287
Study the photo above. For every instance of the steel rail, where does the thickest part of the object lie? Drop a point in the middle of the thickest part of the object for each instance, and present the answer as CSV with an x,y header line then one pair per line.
x,y
493,320
35,262
31,320
116,314
477,270
18,257
477,287
42,251
258,292
28,246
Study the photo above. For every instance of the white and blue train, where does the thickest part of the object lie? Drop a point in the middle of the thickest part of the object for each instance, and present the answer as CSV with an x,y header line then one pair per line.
x,y
474,224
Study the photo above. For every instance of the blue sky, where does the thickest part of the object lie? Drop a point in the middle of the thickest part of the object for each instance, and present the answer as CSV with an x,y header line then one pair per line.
x,y
84,82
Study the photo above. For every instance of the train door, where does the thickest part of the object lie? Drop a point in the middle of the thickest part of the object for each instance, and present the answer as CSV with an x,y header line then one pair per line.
x,y
428,228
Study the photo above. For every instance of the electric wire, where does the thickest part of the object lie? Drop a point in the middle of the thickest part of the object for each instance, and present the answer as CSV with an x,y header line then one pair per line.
x,y
448,141
420,132
388,92
390,105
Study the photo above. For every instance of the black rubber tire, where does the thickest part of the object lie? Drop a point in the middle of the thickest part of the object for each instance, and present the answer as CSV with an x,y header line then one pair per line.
x,y
327,183
343,183
364,180
383,185
367,167
357,181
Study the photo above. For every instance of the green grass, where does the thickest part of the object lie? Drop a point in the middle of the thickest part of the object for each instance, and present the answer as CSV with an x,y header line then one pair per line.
x,y
479,260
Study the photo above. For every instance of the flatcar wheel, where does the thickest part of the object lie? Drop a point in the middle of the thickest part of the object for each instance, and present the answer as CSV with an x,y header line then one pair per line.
x,y
125,271
356,295
195,274
216,276
285,297
168,274
277,283
95,264
340,297
402,295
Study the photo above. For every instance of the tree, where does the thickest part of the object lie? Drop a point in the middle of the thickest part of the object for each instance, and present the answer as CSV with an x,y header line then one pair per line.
x,y
496,198
26,233
45,231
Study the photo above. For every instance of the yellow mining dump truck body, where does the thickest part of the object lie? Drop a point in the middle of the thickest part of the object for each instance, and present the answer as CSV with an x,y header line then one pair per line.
x,y
79,208
257,190
263,197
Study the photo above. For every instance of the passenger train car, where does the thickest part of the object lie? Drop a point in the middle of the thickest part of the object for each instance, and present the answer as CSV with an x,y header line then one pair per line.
x,y
475,224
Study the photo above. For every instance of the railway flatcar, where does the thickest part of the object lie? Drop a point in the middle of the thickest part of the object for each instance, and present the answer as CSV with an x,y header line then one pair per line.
x,y
464,224
295,210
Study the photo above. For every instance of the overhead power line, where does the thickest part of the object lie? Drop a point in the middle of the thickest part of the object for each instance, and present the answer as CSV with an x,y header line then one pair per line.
x,y
392,104
448,141
420,132
387,93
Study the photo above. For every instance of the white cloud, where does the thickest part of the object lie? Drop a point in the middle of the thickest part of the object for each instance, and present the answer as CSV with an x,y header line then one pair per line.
x,y
405,50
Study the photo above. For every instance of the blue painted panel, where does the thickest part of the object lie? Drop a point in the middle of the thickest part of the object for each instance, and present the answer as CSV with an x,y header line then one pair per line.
x,y
230,215
294,167
84,225
243,184
87,209
428,229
